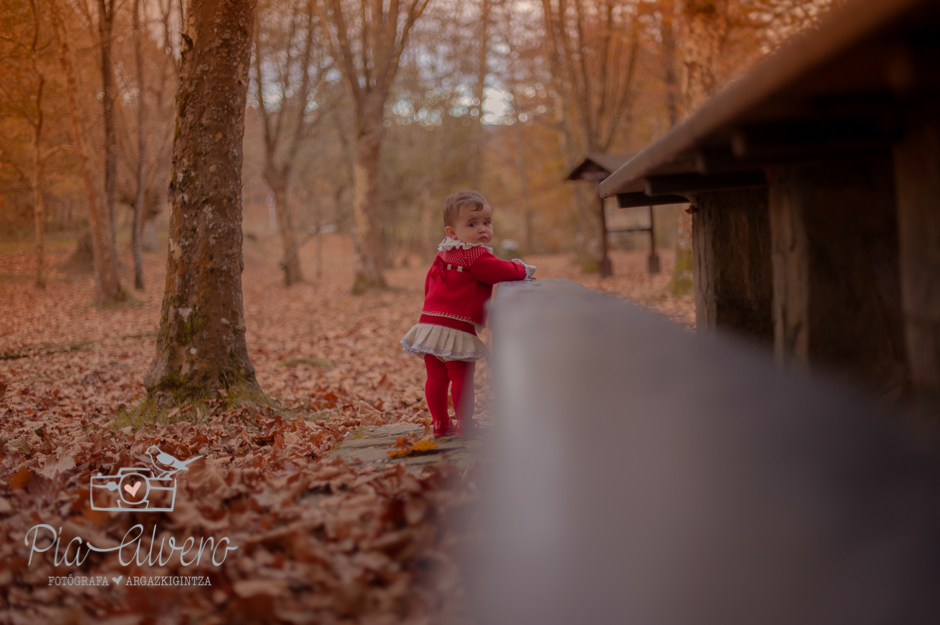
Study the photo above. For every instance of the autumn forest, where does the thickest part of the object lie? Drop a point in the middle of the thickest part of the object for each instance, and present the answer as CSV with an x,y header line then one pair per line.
x,y
216,217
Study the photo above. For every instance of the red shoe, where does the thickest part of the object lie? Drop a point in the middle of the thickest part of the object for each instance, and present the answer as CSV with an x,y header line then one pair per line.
x,y
468,428
444,429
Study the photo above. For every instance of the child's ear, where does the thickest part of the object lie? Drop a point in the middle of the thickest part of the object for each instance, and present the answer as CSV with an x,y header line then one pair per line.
x,y
450,232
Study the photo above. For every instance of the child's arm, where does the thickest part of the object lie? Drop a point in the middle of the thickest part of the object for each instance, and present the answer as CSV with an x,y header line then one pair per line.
x,y
529,269
489,270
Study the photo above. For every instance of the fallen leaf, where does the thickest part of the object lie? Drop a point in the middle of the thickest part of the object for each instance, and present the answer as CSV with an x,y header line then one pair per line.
x,y
424,444
19,479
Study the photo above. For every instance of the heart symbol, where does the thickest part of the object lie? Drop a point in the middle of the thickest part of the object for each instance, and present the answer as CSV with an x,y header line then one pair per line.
x,y
133,491
117,580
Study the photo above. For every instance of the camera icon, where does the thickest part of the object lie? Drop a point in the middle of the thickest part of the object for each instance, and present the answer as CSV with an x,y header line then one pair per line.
x,y
139,488
133,488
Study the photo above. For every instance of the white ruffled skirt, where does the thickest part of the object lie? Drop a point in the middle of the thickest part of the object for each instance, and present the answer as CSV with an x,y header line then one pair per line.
x,y
443,342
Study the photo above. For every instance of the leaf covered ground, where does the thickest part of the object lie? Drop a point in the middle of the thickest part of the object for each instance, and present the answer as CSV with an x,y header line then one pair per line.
x,y
318,540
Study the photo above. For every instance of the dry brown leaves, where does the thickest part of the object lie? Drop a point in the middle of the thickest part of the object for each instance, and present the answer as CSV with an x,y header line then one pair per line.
x,y
318,540
406,446
630,282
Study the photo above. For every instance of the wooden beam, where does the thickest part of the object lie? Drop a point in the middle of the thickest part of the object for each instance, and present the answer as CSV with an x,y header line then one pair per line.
x,y
689,183
632,200
803,138
630,229
718,160
644,475
917,176
837,300
731,263
721,160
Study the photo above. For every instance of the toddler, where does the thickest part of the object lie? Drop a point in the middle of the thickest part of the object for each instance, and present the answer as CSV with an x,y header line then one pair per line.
x,y
456,289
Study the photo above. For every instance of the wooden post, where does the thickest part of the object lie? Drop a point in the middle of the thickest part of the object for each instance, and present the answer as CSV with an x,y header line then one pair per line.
x,y
731,262
917,176
606,268
837,299
652,261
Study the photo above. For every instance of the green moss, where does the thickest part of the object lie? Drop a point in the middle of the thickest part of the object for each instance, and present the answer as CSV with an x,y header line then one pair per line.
x,y
173,381
681,283
149,412
245,393
164,324
357,434
183,100
194,323
193,397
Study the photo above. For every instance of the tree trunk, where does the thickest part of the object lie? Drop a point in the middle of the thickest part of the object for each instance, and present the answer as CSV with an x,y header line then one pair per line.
x,y
428,225
667,9
523,186
138,226
703,28
39,210
703,25
588,250
291,266
368,243
379,45
277,174
148,234
479,94
201,344
319,214
105,28
107,286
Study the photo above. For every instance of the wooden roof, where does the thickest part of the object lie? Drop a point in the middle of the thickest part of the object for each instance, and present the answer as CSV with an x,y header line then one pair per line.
x,y
831,92
598,162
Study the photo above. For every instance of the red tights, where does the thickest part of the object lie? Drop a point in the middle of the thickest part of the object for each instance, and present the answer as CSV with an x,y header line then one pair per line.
x,y
457,373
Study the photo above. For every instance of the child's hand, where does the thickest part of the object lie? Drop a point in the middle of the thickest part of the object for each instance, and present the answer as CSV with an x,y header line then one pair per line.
x,y
529,269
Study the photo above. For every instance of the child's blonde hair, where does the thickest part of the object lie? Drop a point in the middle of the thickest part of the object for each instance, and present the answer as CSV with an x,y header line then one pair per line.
x,y
467,197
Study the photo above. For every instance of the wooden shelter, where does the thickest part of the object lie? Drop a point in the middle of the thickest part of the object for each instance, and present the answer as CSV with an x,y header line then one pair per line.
x,y
644,475
815,181
596,167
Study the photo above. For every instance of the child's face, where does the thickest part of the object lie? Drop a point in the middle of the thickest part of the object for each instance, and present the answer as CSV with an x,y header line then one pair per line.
x,y
472,226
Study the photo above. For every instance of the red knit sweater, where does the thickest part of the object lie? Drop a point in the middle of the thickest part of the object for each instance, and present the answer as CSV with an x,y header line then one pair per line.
x,y
460,281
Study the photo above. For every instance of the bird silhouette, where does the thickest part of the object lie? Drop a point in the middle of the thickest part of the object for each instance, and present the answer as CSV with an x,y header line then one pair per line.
x,y
165,463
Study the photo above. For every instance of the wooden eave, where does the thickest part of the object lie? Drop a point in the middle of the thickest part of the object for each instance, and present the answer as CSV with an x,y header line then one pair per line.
x,y
830,93
598,163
